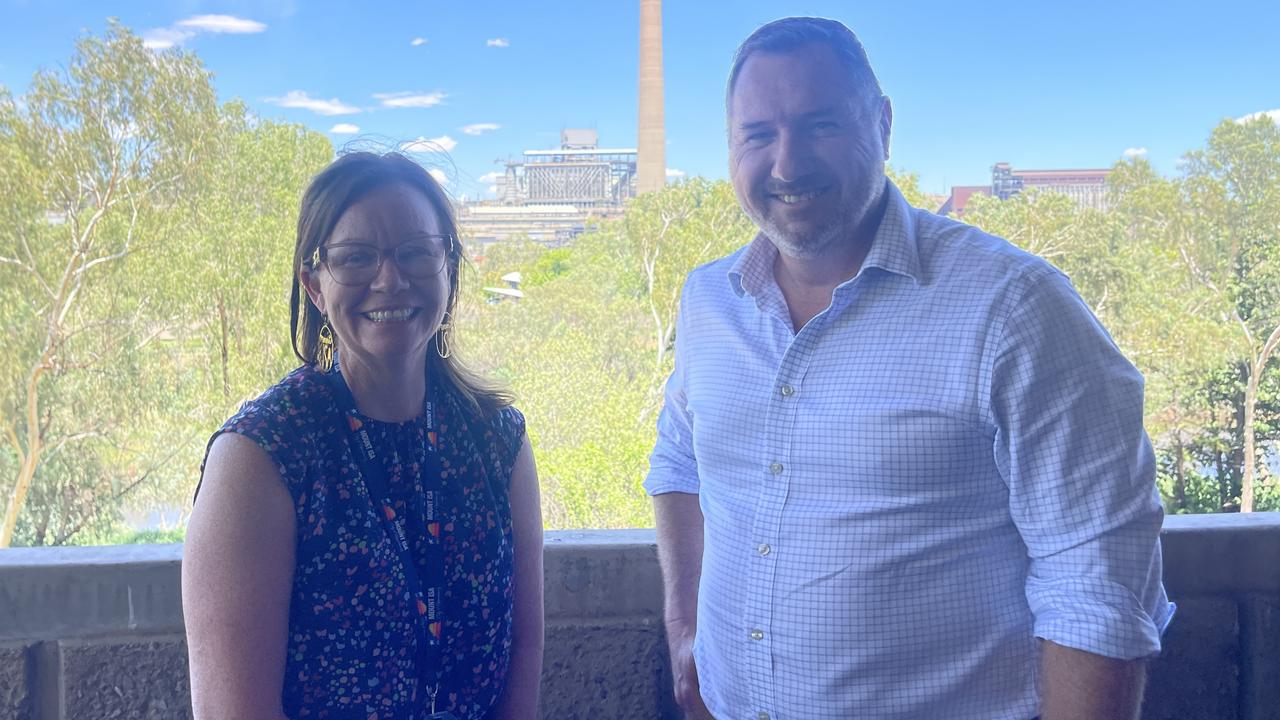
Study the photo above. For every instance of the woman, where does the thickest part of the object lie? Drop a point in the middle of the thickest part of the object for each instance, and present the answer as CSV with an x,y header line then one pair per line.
x,y
394,582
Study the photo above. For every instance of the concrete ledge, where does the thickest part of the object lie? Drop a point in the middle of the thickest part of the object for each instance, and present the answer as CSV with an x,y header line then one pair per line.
x,y
1197,676
1233,553
17,676
97,632
606,672
137,677
1260,640
85,591
602,574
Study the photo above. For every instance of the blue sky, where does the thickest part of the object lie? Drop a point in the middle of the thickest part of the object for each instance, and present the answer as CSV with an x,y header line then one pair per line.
x,y
1037,84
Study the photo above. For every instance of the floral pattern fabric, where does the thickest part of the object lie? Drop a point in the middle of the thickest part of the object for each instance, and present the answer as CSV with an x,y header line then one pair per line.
x,y
351,648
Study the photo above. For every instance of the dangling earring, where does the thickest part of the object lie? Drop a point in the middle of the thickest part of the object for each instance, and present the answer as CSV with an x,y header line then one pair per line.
x,y
324,347
442,343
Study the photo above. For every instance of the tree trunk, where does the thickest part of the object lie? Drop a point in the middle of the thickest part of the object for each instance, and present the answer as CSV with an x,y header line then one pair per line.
x,y
226,382
1180,477
1224,481
30,459
1256,368
1246,478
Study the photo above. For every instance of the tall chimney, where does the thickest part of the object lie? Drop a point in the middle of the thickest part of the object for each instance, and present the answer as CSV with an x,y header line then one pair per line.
x,y
651,171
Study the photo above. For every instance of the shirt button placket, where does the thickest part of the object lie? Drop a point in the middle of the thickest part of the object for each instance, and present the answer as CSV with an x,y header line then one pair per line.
x,y
779,424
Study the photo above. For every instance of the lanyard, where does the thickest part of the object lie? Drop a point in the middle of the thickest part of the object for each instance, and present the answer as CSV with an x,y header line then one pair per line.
x,y
428,599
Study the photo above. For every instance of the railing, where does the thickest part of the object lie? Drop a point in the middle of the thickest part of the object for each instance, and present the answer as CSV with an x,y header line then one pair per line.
x,y
97,632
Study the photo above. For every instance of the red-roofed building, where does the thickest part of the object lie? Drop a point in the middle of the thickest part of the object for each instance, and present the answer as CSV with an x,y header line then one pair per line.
x,y
960,194
1088,187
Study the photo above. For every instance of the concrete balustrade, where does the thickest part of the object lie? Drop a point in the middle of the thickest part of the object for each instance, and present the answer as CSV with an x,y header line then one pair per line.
x,y
89,633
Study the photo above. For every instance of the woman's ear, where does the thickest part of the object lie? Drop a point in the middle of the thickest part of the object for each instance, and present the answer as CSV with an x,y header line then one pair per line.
x,y
311,282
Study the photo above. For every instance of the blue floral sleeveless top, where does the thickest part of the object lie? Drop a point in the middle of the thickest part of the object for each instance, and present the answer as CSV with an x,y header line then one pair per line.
x,y
351,650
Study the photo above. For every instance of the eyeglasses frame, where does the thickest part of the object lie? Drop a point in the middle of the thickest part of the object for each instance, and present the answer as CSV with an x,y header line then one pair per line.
x,y
320,256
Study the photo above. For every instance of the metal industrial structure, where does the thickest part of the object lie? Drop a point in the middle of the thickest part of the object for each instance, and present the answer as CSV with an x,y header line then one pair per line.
x,y
578,173
550,196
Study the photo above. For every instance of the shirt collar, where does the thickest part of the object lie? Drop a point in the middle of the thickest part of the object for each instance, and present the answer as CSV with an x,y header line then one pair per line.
x,y
894,249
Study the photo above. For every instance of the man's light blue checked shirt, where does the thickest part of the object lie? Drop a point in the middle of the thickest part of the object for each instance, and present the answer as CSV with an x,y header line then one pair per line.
x,y
945,464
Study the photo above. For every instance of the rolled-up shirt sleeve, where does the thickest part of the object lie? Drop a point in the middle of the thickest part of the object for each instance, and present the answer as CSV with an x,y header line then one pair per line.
x,y
1069,442
672,465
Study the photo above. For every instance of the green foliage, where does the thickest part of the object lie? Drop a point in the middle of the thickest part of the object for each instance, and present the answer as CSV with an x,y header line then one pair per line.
x,y
1185,273
136,218
909,184
549,266
146,240
588,349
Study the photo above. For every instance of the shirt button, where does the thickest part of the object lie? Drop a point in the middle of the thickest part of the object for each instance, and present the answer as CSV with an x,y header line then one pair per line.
x,y
762,715
776,468
787,391
757,634
764,549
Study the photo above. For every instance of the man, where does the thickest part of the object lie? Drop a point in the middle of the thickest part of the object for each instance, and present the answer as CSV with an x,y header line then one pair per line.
x,y
901,470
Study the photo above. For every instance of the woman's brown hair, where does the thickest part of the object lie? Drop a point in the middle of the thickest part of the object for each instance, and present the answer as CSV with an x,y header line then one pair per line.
x,y
336,188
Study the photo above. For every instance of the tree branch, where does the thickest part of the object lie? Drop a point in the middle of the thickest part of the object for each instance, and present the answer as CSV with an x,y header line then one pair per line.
x,y
35,266
124,250
1269,347
74,437
12,435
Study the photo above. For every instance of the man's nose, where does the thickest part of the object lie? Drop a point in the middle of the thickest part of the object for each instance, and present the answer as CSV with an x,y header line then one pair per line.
x,y
793,157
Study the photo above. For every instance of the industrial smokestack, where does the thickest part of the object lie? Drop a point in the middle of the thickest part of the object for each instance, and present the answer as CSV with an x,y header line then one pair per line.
x,y
651,170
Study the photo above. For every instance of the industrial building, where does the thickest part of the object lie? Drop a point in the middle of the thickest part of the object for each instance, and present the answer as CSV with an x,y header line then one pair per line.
x,y
550,196
578,173
1087,187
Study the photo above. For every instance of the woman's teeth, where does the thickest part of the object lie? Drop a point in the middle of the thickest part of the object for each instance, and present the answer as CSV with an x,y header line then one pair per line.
x,y
390,315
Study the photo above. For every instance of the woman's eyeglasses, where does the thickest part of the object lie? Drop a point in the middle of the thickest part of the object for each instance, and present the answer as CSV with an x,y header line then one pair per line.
x,y
352,263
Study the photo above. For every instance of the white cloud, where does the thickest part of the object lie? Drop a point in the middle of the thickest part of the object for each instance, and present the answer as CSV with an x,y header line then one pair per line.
x,y
222,24
493,189
299,99
444,143
1135,152
489,177
439,175
344,129
183,30
674,173
1273,114
480,128
165,38
497,42
418,41
410,99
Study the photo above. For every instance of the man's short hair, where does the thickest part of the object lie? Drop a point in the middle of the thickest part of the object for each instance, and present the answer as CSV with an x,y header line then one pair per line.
x,y
792,33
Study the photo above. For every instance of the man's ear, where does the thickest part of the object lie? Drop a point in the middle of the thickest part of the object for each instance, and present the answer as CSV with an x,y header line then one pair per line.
x,y
311,282
886,123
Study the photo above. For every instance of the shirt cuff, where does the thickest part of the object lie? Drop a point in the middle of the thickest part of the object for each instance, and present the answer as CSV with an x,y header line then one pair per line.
x,y
1099,617
661,481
